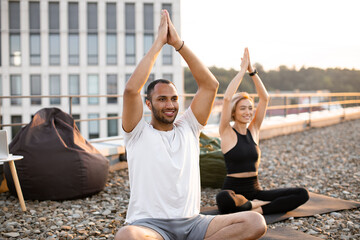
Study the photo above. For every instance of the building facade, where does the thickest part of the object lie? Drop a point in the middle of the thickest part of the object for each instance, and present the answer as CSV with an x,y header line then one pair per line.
x,y
62,48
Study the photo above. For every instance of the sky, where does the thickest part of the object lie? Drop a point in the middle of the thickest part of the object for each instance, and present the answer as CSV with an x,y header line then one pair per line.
x,y
294,33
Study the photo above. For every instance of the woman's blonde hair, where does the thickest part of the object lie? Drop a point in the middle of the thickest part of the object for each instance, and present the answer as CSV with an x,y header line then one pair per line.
x,y
237,98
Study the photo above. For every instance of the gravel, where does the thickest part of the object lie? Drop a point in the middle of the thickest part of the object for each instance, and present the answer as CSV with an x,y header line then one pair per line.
x,y
323,160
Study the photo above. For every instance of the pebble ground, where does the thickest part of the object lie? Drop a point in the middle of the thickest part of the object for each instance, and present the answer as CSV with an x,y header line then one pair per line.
x,y
323,160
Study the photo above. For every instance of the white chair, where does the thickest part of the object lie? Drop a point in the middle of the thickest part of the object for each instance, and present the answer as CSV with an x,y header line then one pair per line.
x,y
6,157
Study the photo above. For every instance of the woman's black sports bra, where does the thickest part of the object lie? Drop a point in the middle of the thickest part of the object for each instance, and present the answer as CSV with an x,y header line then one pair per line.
x,y
244,156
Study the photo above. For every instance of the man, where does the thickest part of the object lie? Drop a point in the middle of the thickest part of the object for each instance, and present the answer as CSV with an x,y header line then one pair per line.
x,y
163,156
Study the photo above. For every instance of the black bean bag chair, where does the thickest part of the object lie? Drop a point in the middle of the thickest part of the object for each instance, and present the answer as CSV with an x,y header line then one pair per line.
x,y
58,163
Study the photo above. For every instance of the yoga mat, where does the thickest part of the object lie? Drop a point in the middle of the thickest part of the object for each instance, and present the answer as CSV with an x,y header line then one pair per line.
x,y
286,233
317,204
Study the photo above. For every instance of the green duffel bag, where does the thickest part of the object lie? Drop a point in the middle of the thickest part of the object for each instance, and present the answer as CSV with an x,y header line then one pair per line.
x,y
212,164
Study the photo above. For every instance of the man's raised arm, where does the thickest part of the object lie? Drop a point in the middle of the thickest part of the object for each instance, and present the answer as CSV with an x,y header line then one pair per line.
x,y
133,106
207,84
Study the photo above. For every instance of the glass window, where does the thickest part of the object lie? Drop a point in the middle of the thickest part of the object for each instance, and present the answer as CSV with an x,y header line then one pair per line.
x,y
130,34
54,49
75,117
54,88
111,49
92,49
168,7
34,21
35,89
74,87
35,49
34,15
111,16
15,89
92,16
150,79
15,129
167,50
130,16
93,88
130,49
93,126
148,41
54,16
148,17
1,89
111,38
73,49
168,76
112,125
0,45
73,41
14,15
15,52
73,16
111,87
127,77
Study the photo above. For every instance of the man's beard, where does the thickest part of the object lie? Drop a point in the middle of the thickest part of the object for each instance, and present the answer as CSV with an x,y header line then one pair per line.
x,y
162,119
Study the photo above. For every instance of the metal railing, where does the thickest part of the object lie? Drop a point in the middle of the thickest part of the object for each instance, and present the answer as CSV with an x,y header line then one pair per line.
x,y
281,104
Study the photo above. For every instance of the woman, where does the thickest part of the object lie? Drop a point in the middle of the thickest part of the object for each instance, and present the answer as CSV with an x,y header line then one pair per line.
x,y
240,145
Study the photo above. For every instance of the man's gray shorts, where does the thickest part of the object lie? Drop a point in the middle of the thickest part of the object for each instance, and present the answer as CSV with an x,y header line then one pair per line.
x,y
193,228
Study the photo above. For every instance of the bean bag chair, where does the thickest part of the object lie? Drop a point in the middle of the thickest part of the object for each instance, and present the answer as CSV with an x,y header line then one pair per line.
x,y
212,163
58,163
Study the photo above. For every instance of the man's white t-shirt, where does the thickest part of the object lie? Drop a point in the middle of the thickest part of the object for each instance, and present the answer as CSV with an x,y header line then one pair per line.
x,y
164,170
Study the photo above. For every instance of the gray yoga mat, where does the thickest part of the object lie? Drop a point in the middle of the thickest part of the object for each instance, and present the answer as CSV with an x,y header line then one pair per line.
x,y
317,204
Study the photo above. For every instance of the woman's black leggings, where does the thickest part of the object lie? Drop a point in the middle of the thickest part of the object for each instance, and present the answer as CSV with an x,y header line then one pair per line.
x,y
281,200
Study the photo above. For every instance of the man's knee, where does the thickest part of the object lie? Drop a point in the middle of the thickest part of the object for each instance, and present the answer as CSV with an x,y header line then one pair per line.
x,y
126,233
258,223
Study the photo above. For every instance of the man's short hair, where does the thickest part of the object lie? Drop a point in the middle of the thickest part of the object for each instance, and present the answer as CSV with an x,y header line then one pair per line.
x,y
152,85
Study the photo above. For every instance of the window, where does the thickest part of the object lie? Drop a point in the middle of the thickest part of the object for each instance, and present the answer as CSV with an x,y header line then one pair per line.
x,y
74,88
93,88
148,26
0,44
130,57
15,50
112,87
73,16
92,41
111,38
54,34
15,89
168,76
93,126
148,41
54,88
54,49
92,49
14,33
73,41
73,49
75,117
127,77
150,79
1,89
34,21
35,49
167,50
167,55
15,129
35,89
112,125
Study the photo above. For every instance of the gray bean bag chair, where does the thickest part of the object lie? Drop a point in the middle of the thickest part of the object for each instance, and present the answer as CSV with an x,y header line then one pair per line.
x,y
58,163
